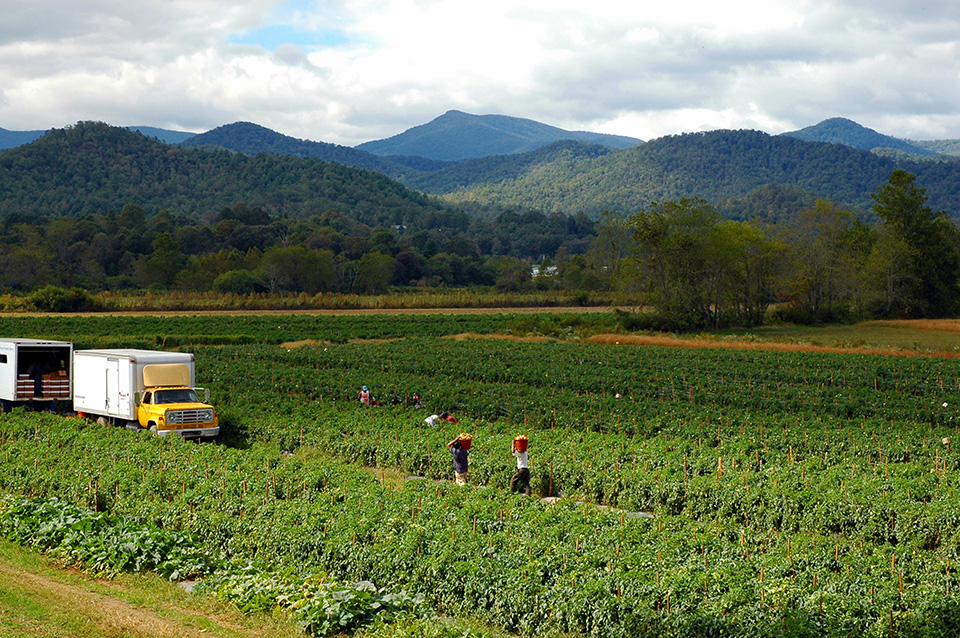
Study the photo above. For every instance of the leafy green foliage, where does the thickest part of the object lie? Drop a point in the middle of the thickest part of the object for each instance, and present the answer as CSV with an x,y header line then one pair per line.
x,y
54,299
320,606
101,542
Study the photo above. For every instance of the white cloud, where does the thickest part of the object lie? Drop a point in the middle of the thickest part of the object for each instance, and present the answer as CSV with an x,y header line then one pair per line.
x,y
348,71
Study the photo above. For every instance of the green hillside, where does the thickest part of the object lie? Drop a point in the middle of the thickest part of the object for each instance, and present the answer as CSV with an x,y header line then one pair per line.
x,y
251,139
941,147
92,168
497,168
458,136
716,166
838,130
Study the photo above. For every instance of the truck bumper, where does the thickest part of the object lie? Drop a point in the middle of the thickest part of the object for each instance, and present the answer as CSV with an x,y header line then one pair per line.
x,y
191,433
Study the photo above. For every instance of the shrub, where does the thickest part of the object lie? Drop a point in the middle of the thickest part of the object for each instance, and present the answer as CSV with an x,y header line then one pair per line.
x,y
54,299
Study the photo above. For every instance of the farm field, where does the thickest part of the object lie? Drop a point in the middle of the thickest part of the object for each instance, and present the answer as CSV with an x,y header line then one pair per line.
x,y
702,491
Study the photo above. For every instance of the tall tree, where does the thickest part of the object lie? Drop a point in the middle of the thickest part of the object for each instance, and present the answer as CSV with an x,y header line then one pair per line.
x,y
927,246
826,253
678,262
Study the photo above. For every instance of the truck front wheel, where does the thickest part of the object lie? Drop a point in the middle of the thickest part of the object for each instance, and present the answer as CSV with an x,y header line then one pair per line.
x,y
152,427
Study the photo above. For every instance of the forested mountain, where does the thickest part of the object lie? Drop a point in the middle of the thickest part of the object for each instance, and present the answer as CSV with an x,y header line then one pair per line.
x,y
497,168
717,166
251,139
838,130
456,135
941,147
12,139
92,168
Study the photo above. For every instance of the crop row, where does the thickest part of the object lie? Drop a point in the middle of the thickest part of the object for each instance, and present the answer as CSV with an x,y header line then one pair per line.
x,y
172,331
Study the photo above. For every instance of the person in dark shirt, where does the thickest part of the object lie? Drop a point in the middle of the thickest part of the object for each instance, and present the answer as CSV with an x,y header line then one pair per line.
x,y
460,448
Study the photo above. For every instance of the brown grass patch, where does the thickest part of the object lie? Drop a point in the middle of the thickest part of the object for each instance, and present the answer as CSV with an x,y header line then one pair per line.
x,y
290,345
389,478
939,325
674,342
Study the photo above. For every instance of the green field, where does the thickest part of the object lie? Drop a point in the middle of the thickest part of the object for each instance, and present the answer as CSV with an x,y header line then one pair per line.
x,y
702,492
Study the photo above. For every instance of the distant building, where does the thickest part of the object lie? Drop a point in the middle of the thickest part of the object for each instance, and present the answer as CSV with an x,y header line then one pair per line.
x,y
549,271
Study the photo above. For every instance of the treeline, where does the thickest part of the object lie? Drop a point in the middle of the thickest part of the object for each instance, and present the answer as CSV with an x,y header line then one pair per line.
x,y
691,263
244,249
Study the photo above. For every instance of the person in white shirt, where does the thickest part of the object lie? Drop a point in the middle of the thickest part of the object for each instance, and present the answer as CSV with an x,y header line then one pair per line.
x,y
520,480
364,396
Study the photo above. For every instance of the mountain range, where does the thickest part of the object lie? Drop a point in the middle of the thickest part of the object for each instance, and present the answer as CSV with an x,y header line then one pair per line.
x,y
748,174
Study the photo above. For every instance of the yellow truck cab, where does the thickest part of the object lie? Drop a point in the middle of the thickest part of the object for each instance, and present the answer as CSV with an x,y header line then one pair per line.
x,y
168,405
143,389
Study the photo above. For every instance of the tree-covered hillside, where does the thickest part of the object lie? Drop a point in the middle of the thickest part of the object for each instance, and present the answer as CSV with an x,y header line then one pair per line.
x,y
716,166
497,168
92,168
839,130
252,139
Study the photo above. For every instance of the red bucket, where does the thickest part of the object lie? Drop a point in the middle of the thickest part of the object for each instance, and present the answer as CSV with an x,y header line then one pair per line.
x,y
520,443
465,441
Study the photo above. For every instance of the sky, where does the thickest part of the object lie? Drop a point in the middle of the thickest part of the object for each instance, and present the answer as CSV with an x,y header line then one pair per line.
x,y
347,72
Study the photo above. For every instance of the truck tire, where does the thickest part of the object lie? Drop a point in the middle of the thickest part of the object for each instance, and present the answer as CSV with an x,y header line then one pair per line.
x,y
152,426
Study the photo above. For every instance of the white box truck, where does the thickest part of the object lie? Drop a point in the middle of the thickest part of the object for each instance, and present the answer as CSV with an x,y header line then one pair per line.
x,y
34,372
143,389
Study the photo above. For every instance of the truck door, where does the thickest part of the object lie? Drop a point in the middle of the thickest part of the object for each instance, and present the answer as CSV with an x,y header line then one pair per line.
x,y
124,392
112,370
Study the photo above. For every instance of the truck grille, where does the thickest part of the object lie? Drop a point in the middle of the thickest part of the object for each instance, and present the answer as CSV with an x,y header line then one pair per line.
x,y
177,417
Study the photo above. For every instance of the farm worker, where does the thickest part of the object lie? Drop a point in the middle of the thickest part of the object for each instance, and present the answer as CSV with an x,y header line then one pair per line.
x,y
447,417
522,478
364,396
416,400
460,448
35,372
432,420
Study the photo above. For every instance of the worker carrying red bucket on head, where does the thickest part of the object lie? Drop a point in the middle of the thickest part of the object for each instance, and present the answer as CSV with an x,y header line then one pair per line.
x,y
460,448
520,480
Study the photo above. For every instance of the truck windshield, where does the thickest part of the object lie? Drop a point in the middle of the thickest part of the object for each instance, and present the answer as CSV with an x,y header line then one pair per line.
x,y
185,395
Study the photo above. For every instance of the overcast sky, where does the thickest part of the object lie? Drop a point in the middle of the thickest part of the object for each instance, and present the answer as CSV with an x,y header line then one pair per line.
x,y
352,71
